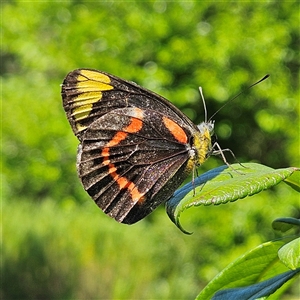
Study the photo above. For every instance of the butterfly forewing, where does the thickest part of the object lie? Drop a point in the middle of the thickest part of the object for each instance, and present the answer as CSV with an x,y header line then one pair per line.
x,y
89,94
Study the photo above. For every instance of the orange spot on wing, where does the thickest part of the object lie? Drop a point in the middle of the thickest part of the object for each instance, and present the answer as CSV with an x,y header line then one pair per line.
x,y
118,137
175,130
135,125
136,121
122,181
105,152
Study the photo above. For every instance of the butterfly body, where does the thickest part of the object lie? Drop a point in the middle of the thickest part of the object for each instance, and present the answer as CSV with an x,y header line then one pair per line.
x,y
136,148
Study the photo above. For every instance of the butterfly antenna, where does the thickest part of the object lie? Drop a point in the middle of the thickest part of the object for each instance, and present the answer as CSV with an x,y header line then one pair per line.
x,y
204,104
249,87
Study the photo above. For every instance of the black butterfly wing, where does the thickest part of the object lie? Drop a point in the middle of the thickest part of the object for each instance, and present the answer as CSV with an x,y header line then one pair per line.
x,y
130,162
136,147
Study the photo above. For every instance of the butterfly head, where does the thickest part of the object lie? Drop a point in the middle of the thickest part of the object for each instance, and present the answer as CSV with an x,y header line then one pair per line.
x,y
207,127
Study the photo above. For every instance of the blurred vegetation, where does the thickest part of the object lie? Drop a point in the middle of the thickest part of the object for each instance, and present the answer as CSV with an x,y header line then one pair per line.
x,y
56,243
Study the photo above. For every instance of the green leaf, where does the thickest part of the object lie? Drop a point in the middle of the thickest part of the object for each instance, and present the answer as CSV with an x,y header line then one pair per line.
x,y
294,181
255,291
284,224
289,254
256,266
224,184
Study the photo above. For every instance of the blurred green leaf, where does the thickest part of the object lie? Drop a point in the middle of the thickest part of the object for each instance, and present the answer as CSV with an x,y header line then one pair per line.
x,y
256,266
256,291
284,224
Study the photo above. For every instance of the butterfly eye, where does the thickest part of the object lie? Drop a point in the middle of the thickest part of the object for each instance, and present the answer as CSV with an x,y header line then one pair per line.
x,y
191,140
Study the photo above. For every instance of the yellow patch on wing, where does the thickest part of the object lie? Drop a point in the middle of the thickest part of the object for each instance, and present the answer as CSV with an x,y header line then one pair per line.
x,y
87,98
80,127
93,75
91,81
90,85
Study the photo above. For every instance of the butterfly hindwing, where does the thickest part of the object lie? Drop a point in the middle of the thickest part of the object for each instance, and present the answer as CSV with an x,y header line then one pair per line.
x,y
129,165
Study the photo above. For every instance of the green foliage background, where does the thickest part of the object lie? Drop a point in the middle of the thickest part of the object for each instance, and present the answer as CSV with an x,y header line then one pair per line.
x,y
56,243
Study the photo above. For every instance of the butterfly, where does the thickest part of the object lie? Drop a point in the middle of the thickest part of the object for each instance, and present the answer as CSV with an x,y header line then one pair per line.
x,y
136,148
